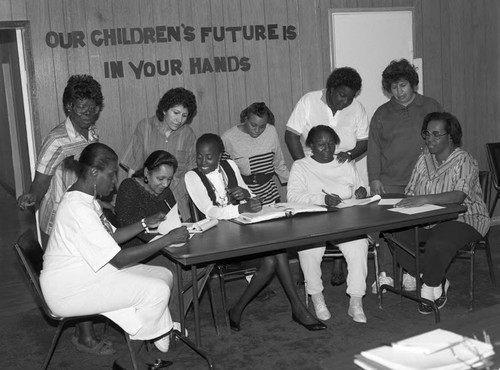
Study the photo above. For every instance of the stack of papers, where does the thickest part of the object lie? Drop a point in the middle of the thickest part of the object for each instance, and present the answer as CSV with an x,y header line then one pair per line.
x,y
435,350
357,202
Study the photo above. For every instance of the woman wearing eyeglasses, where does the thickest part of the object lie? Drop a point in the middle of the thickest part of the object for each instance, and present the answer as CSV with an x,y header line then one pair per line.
x,y
444,174
394,144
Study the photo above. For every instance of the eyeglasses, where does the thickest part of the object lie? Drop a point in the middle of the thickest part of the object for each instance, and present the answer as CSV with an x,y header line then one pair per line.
x,y
435,134
84,110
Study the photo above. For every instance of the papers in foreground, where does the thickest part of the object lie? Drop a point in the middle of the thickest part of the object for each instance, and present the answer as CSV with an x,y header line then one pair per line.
x,y
437,350
278,210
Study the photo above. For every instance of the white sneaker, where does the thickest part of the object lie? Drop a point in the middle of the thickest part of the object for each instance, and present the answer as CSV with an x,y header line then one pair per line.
x,y
356,310
383,279
409,283
163,343
320,308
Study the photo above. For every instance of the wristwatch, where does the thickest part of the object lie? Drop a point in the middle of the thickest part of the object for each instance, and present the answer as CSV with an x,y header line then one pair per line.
x,y
145,227
349,154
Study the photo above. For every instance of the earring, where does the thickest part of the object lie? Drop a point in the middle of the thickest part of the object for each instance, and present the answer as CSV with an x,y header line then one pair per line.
x,y
95,190
146,179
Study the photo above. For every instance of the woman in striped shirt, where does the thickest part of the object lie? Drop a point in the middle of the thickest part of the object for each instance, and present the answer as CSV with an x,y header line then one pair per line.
x,y
255,147
444,174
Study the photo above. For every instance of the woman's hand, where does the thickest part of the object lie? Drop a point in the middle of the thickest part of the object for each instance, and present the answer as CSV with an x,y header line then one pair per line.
x,y
238,193
252,205
26,200
178,235
412,202
343,157
360,193
376,187
154,220
332,200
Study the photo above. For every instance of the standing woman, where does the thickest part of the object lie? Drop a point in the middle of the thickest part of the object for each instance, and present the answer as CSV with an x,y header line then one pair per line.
x,y
168,130
394,145
255,147
444,174
85,271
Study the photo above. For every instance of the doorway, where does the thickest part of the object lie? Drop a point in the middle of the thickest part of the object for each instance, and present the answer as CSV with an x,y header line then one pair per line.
x,y
16,133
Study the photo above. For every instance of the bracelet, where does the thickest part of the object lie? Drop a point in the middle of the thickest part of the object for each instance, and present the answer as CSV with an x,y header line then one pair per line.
x,y
349,154
144,226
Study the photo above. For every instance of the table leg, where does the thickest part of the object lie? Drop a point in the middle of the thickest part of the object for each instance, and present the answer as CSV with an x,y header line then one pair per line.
x,y
180,284
196,305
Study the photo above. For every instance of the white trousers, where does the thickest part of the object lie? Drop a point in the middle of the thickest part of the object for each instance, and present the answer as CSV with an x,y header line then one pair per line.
x,y
356,255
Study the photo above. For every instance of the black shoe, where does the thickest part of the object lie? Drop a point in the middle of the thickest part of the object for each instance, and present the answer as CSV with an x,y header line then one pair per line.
x,y
425,309
159,364
337,279
232,324
318,325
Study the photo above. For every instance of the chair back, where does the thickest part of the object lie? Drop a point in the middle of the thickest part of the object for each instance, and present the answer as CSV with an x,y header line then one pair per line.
x,y
30,255
485,183
493,154
196,215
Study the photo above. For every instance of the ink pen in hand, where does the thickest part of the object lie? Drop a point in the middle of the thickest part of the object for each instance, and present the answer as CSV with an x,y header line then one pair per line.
x,y
168,205
332,195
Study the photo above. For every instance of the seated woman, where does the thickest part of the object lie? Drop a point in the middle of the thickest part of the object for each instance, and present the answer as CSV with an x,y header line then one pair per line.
x,y
255,148
217,189
444,174
322,180
144,194
85,271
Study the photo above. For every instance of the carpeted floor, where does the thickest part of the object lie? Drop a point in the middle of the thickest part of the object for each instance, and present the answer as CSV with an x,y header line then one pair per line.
x,y
269,339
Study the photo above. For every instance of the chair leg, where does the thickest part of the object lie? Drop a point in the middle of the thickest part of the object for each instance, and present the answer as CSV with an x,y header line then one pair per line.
x,y
377,283
212,306
223,298
490,261
132,353
471,280
55,339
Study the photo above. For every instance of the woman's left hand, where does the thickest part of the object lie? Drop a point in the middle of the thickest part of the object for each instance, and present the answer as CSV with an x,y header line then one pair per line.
x,y
411,202
155,220
343,157
360,193
238,193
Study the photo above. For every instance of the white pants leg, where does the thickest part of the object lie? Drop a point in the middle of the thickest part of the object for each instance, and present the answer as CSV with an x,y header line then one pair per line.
x,y
310,262
356,256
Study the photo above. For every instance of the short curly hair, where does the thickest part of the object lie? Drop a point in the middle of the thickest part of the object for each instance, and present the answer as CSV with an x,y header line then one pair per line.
x,y
260,110
210,139
397,70
317,130
452,125
81,87
344,76
174,97
156,159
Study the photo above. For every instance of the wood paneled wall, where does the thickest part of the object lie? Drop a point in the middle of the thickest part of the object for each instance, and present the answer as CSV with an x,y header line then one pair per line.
x,y
458,40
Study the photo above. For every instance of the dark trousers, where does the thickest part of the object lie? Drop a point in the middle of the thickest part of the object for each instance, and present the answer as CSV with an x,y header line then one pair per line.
x,y
441,244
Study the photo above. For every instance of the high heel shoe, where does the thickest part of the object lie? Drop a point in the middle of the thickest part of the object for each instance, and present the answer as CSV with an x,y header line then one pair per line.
x,y
318,325
233,324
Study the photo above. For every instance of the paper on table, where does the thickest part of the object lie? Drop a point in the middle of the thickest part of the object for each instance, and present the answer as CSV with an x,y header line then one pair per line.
x,y
171,221
414,210
172,245
201,226
389,202
357,202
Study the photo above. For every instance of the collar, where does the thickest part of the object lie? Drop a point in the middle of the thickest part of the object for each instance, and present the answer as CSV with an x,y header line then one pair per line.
x,y
76,136
418,101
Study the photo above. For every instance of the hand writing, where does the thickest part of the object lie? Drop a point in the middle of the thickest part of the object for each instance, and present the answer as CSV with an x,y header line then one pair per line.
x,y
238,193
155,220
360,193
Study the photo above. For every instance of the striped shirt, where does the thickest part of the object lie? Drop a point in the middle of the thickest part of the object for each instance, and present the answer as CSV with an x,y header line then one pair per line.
x,y
60,147
262,154
459,172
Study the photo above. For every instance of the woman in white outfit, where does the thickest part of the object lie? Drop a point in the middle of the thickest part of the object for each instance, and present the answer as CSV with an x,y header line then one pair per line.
x,y
321,179
86,272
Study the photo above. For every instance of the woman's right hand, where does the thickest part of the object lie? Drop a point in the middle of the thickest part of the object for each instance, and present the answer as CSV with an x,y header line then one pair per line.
x,y
376,187
178,235
154,220
332,200
252,205
26,200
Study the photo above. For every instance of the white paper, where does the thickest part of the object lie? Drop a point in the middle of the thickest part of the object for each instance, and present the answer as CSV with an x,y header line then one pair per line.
x,y
357,202
414,210
389,202
171,221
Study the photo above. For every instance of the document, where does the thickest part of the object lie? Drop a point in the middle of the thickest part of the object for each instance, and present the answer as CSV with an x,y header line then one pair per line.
x,y
389,202
435,350
414,210
201,226
357,202
277,210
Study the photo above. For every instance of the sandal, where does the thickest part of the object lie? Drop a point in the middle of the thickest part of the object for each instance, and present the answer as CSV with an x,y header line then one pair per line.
x,y
103,348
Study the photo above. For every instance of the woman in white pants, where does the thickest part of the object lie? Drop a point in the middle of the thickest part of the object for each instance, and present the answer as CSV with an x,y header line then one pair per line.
x,y
321,179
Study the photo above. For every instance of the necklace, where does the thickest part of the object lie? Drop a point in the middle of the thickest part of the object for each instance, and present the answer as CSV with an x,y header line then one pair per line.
x,y
221,198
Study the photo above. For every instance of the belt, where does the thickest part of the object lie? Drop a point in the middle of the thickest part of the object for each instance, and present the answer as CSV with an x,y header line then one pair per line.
x,y
257,178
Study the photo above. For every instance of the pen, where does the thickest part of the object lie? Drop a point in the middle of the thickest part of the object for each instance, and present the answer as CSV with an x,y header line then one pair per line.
x,y
168,205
